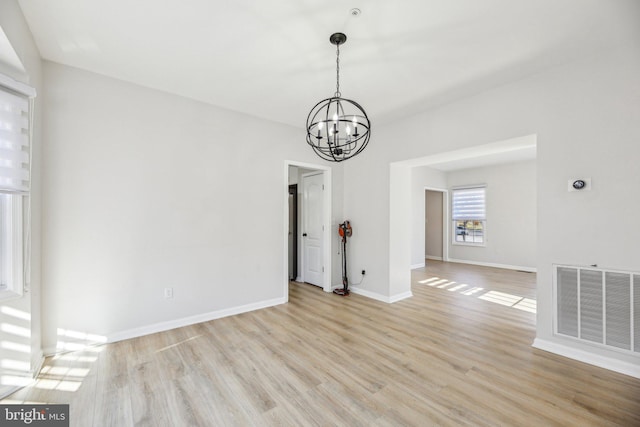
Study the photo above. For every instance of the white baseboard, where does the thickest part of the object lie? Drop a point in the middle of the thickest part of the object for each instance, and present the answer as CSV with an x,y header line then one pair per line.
x,y
435,258
178,323
419,265
400,297
492,264
379,297
626,368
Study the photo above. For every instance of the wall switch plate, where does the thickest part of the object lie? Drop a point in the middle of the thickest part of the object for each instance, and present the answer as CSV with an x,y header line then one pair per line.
x,y
168,292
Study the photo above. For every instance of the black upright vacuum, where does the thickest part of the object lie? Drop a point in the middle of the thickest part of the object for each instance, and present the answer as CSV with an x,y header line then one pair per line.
x,y
345,231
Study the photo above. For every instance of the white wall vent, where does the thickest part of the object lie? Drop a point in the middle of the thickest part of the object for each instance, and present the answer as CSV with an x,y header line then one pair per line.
x,y
599,306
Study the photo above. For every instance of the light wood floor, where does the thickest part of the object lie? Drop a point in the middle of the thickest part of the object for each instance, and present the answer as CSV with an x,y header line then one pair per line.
x,y
451,355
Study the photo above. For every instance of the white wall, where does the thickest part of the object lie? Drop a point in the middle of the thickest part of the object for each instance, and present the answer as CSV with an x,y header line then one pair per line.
x,y
146,190
585,115
511,230
24,312
366,205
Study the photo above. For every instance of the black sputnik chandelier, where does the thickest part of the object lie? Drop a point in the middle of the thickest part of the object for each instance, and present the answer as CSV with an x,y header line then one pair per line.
x,y
338,128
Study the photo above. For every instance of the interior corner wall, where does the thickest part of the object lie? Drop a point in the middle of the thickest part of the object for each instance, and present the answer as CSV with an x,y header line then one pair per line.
x,y
143,191
585,115
511,227
17,31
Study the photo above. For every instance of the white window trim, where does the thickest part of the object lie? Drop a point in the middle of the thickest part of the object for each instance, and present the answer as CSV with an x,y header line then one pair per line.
x,y
13,253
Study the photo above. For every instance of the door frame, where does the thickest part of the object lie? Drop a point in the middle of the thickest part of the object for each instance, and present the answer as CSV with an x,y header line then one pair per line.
x,y
293,228
326,220
303,212
445,221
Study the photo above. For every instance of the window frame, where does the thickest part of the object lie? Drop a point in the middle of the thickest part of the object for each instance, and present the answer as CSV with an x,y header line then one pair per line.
x,y
15,185
478,217
11,246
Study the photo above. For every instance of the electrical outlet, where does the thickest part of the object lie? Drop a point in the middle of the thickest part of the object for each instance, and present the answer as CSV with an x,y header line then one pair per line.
x,y
363,272
168,292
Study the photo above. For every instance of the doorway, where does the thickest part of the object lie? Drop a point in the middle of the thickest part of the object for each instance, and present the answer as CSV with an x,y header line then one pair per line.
x,y
402,199
293,231
318,259
435,220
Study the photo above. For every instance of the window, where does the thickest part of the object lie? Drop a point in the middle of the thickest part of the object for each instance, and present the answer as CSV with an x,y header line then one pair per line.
x,y
468,215
10,245
14,182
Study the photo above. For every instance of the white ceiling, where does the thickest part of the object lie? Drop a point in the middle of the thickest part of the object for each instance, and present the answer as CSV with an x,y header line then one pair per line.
x,y
9,59
272,59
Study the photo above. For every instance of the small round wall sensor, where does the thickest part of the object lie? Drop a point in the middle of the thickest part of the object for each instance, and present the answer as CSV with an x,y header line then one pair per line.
x,y
355,12
579,184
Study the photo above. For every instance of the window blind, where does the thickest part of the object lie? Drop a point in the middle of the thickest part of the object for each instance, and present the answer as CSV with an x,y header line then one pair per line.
x,y
14,143
469,204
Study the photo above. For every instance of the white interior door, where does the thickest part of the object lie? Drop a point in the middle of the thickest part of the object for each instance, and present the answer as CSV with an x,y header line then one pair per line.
x,y
312,228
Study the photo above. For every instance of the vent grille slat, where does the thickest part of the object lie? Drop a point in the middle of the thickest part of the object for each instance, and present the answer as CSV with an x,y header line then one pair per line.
x,y
568,301
591,305
618,308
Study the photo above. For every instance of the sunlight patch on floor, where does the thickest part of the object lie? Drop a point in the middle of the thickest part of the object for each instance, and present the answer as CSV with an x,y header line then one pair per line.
x,y
501,298
526,304
428,281
496,297
62,385
64,371
473,290
444,285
